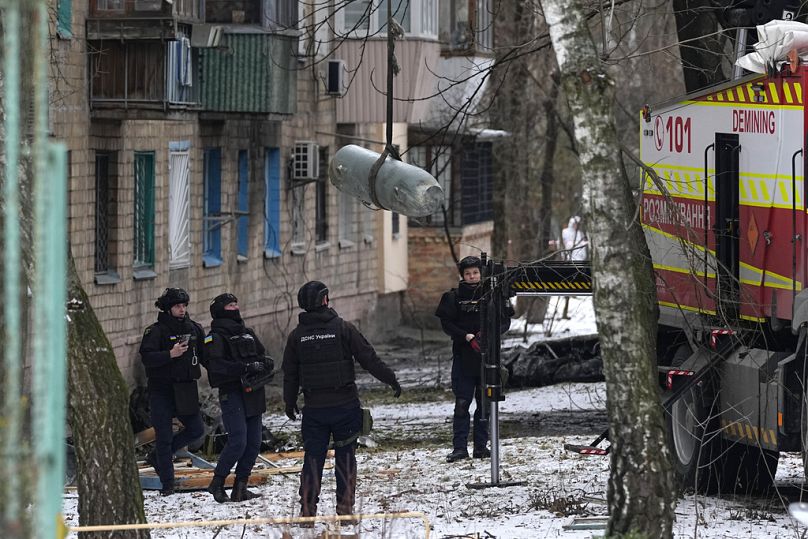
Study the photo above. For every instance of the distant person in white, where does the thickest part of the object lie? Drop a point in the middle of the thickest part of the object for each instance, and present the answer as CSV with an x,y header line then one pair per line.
x,y
575,242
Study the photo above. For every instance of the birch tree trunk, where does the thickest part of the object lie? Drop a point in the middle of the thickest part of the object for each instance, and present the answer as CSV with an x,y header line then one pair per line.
x,y
640,491
108,482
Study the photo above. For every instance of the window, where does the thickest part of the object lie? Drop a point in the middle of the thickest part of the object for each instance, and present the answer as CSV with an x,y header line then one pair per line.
x,y
359,18
243,205
109,5
321,212
346,216
211,218
64,18
279,14
477,181
148,5
106,213
144,214
179,205
465,24
438,161
272,223
298,225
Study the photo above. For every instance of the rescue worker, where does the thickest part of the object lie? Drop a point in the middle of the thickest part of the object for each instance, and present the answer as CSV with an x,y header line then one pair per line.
x,y
319,357
459,313
232,351
171,353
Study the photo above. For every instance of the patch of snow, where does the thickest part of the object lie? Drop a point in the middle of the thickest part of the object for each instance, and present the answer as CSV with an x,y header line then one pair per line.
x,y
558,485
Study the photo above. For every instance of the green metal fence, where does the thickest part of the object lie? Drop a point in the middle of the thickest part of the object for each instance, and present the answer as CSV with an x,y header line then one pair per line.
x,y
48,283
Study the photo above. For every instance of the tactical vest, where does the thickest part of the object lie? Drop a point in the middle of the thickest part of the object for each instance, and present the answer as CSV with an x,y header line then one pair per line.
x,y
185,367
243,348
323,361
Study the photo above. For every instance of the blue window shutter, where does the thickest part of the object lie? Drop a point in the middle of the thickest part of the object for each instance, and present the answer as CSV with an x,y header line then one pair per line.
x,y
243,228
272,226
212,255
64,18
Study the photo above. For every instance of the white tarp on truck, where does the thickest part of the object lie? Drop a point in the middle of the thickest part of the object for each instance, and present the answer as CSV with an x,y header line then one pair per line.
x,y
775,40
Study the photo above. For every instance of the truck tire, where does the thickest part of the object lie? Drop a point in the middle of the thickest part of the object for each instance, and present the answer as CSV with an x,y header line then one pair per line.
x,y
693,444
746,469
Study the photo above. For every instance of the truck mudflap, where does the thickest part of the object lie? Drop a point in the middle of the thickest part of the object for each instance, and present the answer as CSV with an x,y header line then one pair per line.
x,y
699,365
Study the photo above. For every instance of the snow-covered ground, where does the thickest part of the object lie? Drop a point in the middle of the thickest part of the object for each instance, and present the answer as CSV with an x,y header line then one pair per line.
x,y
558,486
405,470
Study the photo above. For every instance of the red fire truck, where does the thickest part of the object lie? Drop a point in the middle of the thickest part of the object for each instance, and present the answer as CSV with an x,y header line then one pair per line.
x,y
724,214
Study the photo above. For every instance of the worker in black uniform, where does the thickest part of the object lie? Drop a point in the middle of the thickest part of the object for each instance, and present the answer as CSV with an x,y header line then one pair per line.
x,y
233,354
459,313
319,357
170,351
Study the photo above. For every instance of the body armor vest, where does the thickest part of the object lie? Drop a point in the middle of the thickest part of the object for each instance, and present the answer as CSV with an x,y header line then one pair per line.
x,y
323,361
243,348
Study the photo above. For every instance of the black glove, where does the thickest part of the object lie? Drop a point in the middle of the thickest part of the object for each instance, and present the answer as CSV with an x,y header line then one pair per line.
x,y
292,411
396,389
256,367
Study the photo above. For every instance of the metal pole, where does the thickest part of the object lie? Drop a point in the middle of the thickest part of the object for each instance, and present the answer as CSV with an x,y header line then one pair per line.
x,y
11,279
50,251
740,50
493,421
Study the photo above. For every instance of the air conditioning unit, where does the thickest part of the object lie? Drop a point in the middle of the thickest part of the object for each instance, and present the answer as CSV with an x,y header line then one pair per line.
x,y
305,161
335,78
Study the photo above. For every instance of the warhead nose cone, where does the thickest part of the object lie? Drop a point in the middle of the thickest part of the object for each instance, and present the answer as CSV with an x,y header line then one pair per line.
x,y
400,187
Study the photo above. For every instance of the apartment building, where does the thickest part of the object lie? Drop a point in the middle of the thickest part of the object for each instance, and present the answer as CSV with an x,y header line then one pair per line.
x,y
198,133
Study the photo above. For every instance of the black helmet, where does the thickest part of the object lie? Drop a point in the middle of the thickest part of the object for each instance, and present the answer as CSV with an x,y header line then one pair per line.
x,y
219,302
310,296
171,297
469,262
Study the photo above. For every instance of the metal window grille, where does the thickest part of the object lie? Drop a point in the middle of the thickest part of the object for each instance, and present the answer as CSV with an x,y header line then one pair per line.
x,y
102,212
144,209
321,214
477,181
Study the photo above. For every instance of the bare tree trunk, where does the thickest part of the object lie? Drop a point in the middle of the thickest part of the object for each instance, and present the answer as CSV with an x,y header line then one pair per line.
x,y
523,200
640,492
109,487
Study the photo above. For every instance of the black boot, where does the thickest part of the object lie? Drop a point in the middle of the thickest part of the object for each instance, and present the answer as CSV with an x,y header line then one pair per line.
x,y
240,492
167,488
216,488
482,453
457,454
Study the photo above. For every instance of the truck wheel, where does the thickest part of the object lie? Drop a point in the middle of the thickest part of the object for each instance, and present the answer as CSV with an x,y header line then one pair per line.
x,y
692,443
746,469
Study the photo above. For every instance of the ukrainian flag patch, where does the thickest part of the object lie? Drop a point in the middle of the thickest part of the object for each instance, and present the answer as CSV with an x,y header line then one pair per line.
x,y
209,339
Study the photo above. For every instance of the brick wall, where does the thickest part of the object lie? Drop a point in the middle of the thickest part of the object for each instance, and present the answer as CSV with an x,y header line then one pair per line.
x,y
267,288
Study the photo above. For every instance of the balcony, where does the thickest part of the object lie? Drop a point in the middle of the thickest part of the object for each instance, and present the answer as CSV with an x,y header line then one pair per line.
x,y
141,19
252,71
143,74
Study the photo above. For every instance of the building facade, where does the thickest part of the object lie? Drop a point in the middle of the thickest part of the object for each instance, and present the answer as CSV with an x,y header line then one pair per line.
x,y
199,133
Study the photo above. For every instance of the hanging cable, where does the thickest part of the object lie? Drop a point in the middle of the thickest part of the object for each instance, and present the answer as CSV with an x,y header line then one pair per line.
x,y
389,149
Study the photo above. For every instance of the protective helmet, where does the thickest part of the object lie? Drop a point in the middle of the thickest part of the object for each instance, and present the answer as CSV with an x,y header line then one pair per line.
x,y
310,296
171,297
469,262
219,302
